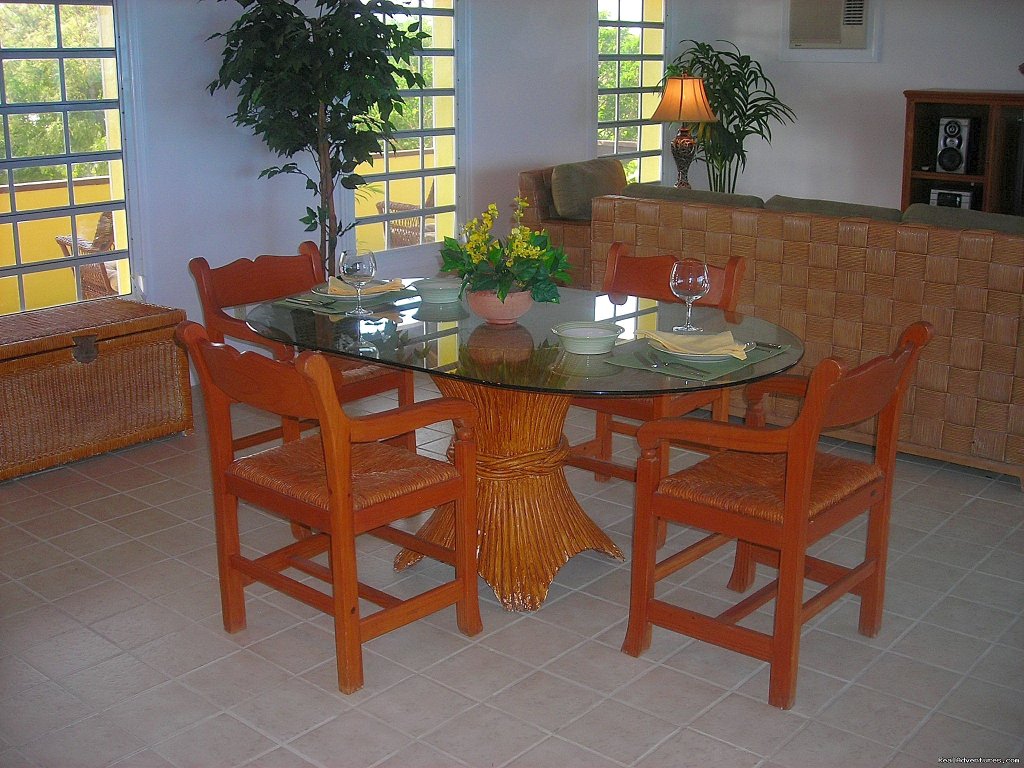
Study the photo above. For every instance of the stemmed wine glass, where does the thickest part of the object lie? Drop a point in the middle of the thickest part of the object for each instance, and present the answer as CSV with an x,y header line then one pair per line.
x,y
357,270
689,281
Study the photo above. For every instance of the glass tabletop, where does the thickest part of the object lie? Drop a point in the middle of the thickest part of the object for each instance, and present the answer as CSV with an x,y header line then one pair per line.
x,y
448,340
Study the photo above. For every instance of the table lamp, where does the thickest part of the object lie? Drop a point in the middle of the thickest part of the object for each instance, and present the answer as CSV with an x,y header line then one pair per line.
x,y
683,100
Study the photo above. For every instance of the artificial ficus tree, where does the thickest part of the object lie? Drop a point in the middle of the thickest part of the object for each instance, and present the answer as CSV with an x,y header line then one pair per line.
x,y
324,83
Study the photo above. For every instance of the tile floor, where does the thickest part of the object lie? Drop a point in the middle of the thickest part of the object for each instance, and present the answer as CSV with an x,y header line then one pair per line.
x,y
112,650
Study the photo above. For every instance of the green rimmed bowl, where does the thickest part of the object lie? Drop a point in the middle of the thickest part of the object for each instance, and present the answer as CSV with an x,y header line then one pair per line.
x,y
587,337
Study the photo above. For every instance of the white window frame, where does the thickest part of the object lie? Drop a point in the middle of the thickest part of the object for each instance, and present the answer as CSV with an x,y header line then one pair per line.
x,y
120,55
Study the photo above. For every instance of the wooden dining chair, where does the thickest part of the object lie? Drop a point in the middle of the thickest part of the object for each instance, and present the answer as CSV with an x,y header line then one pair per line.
x,y
775,493
649,277
340,483
248,281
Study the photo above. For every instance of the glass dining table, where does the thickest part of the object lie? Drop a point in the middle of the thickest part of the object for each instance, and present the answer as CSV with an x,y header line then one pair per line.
x,y
522,383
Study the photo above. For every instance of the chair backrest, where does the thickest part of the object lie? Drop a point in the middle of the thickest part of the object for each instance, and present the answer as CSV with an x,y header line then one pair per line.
x,y
840,397
648,276
247,281
103,237
401,232
282,388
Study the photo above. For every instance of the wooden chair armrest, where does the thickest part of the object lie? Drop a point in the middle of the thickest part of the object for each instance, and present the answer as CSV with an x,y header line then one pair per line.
x,y
398,421
713,434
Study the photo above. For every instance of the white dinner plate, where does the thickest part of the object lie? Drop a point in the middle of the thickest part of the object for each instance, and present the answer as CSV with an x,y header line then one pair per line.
x,y
698,358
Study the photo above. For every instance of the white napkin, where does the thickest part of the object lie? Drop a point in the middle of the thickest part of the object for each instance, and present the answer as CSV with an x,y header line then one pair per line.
x,y
697,343
336,287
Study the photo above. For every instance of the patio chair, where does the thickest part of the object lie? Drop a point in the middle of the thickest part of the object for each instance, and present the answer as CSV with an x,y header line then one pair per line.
x,y
649,277
776,493
339,484
97,279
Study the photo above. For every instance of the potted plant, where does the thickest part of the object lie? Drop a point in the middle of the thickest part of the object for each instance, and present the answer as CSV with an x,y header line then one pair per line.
x,y
744,100
504,277
325,84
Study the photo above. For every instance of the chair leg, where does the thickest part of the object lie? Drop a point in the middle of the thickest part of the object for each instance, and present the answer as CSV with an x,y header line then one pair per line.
x,y
720,406
407,396
603,436
785,660
232,591
744,568
872,598
347,639
467,610
641,584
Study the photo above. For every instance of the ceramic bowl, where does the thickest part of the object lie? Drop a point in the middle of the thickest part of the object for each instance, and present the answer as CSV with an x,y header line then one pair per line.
x,y
587,337
438,290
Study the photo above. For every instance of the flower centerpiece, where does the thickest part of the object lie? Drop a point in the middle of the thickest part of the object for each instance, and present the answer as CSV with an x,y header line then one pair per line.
x,y
525,262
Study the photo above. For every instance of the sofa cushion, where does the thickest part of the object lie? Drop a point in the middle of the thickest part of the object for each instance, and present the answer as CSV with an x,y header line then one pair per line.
x,y
831,208
575,185
658,192
961,218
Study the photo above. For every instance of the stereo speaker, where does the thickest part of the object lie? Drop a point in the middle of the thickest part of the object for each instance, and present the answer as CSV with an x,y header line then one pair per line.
x,y
954,135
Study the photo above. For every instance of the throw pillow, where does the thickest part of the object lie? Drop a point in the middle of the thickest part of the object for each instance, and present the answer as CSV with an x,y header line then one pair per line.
x,y
575,185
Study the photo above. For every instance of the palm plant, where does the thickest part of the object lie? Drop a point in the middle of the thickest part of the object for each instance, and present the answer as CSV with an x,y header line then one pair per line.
x,y
326,84
743,98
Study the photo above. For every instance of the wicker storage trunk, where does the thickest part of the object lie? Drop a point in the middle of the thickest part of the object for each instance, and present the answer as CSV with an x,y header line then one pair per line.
x,y
82,379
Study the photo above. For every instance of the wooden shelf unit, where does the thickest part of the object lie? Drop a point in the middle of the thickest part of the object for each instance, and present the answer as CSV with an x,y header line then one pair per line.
x,y
996,119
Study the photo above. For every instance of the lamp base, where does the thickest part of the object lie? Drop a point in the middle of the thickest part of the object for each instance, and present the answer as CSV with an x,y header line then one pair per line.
x,y
684,150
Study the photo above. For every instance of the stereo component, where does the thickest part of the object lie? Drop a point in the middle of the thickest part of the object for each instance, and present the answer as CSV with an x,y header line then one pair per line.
x,y
954,134
950,198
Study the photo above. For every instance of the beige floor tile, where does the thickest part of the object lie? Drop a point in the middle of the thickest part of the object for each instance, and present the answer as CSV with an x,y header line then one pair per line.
x,y
298,648
941,647
532,641
998,707
478,672
579,612
545,700
140,625
992,590
93,742
62,521
598,666
279,758
699,749
181,652
221,740
814,690
909,679
834,655
819,745
91,538
554,751
363,741
1003,665
14,598
970,618
33,558
161,711
617,731
101,601
379,674
873,715
417,705
234,678
32,626
124,558
69,652
944,736
749,724
504,737
718,665
113,680
289,709
28,714
64,579
417,645
17,676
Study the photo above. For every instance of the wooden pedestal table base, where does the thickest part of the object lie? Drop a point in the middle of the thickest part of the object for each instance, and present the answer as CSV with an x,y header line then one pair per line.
x,y
530,522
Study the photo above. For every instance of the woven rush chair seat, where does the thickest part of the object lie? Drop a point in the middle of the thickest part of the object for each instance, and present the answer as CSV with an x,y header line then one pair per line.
x,y
345,482
268,277
649,277
775,494
380,472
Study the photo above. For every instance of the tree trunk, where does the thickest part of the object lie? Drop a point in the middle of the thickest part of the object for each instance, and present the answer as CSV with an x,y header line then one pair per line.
x,y
328,214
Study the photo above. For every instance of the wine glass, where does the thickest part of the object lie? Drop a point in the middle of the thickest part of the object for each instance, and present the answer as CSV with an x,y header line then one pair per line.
x,y
689,281
357,270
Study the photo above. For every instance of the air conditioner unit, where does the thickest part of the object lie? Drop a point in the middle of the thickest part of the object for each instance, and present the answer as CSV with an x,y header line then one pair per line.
x,y
828,24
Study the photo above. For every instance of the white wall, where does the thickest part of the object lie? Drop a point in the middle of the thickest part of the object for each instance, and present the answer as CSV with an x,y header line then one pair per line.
x,y
847,143
197,187
531,103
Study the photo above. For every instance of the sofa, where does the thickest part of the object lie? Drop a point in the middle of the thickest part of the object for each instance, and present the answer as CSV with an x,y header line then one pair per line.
x,y
847,285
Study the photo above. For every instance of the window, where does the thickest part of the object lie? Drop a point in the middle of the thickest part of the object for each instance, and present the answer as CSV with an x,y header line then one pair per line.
x,y
63,223
630,61
409,197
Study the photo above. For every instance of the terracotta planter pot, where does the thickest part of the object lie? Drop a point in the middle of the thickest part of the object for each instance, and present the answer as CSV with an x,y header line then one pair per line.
x,y
485,304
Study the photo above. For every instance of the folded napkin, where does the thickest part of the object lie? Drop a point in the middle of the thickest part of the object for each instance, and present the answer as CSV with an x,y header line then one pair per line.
x,y
336,287
697,344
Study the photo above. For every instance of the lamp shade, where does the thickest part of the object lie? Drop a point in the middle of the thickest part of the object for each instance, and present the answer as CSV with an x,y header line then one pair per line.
x,y
684,101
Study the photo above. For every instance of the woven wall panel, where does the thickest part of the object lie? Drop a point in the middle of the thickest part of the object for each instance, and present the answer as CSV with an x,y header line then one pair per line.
x,y
847,286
